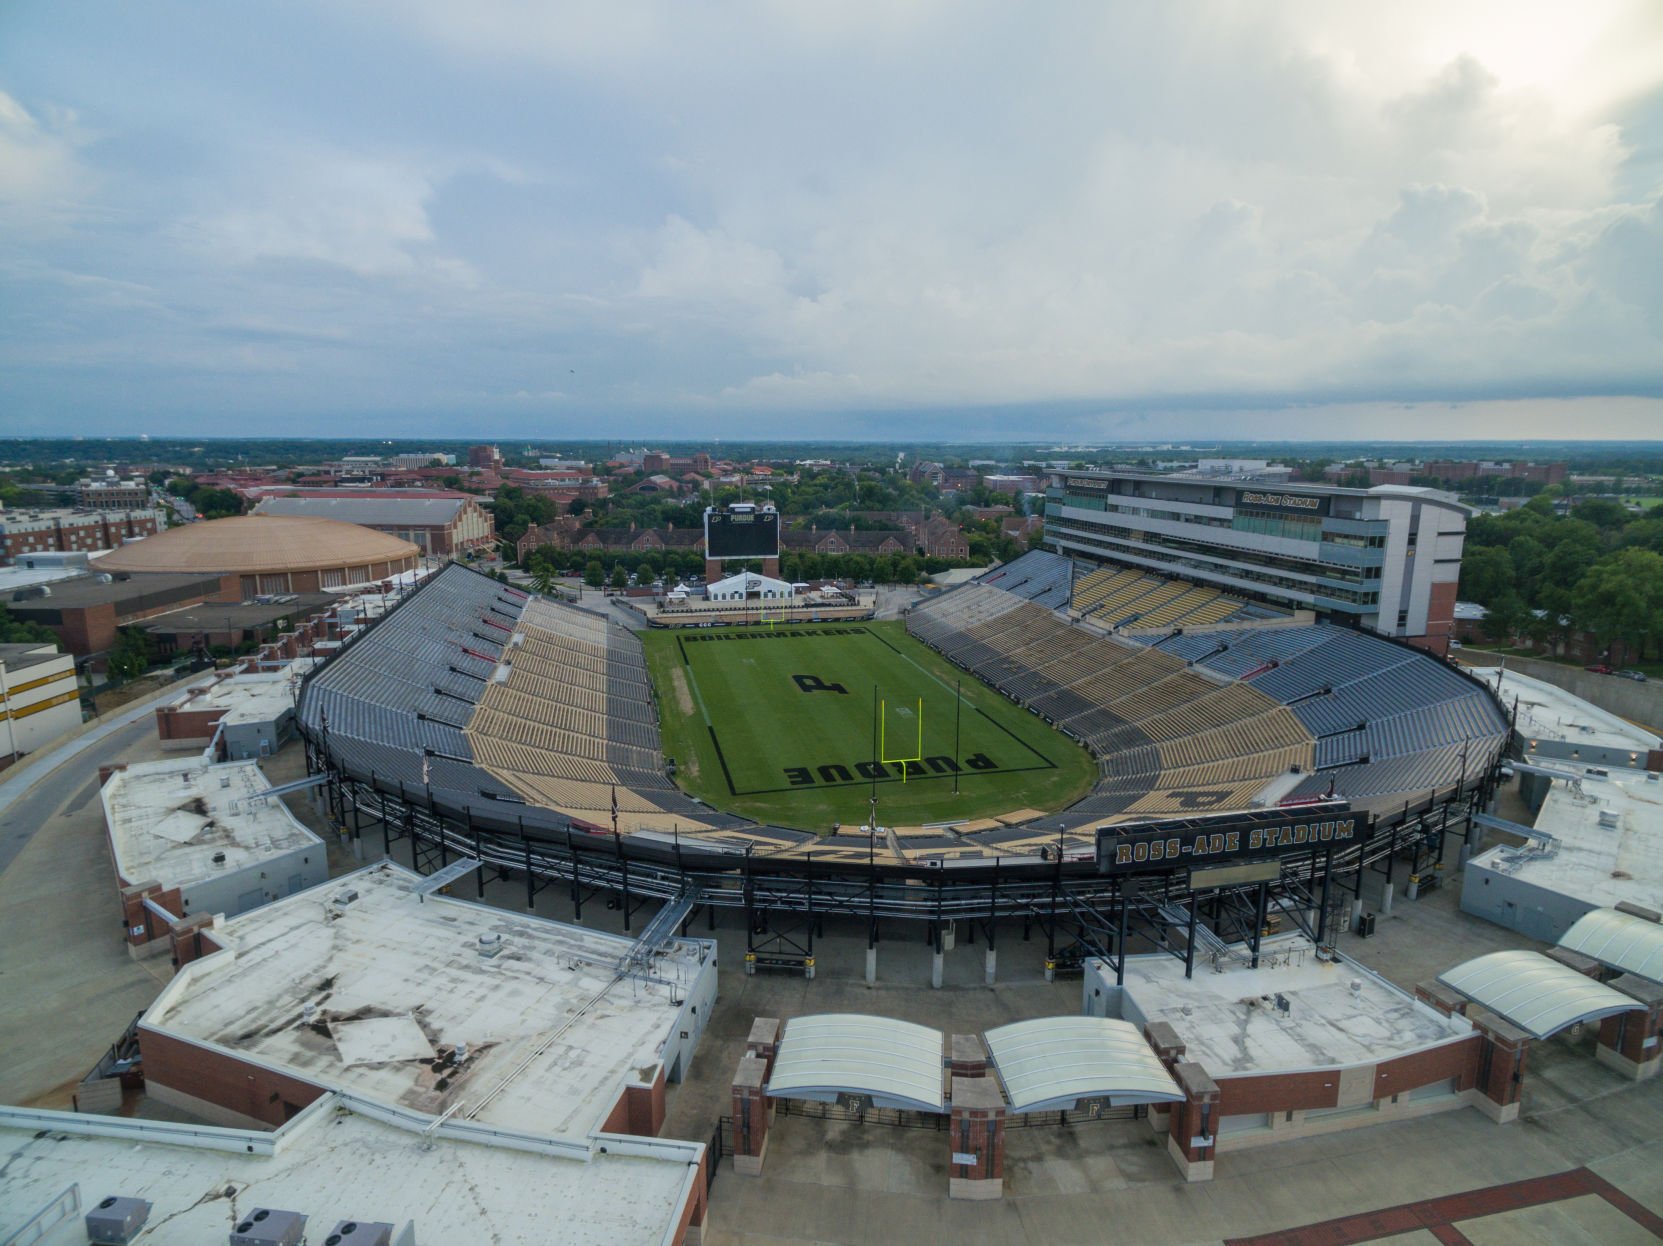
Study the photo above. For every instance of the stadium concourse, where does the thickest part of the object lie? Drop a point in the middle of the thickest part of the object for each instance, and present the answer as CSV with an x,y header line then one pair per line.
x,y
511,710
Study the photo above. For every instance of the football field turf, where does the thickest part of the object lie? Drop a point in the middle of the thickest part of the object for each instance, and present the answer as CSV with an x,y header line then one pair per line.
x,y
799,725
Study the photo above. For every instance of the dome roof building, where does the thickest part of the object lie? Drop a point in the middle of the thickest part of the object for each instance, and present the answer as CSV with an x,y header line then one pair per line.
x,y
272,553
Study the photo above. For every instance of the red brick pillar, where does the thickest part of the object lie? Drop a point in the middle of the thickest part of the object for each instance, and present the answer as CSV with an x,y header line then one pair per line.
x,y
1193,1131
1500,1068
1169,1049
750,1116
188,943
1632,1042
969,1057
764,1042
1436,995
139,924
976,1136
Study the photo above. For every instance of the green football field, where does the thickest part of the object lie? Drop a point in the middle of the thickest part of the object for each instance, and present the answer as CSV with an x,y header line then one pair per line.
x,y
799,726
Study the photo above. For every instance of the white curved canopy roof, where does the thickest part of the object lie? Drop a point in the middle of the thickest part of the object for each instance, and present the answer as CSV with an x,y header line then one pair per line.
x,y
899,1064
1538,995
1053,1062
1619,940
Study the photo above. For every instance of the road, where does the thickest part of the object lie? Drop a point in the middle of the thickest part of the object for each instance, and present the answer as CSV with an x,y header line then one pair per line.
x,y
32,792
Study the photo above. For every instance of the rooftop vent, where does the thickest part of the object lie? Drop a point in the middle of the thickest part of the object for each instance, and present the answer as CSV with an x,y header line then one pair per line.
x,y
218,860
1282,1003
360,1233
490,944
116,1220
266,1226
225,780
1356,986
1610,819
343,898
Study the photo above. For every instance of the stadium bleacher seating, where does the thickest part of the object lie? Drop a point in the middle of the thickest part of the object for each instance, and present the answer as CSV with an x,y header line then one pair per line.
x,y
1190,721
474,691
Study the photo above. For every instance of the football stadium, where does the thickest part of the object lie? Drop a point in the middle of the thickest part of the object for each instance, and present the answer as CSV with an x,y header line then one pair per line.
x,y
979,761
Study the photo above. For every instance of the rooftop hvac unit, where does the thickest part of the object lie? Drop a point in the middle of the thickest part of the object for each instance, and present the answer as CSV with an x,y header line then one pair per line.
x,y
266,1226
1609,819
225,780
344,898
360,1233
116,1221
490,944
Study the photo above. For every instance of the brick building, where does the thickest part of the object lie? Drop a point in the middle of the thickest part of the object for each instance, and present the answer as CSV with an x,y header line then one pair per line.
x,y
438,522
40,531
846,541
85,613
110,493
243,1036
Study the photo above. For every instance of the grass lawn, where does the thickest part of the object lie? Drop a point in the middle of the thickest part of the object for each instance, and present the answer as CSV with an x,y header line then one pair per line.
x,y
778,725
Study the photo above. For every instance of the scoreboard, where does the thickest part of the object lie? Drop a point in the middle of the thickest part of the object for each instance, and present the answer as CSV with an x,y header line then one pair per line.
x,y
742,532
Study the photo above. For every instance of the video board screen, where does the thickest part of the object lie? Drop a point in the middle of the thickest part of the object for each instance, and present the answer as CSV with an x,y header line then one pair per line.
x,y
742,535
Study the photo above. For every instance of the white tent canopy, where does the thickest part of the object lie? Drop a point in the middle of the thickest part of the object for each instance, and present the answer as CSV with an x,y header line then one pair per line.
x,y
749,586
1533,992
1620,940
895,1062
1052,1063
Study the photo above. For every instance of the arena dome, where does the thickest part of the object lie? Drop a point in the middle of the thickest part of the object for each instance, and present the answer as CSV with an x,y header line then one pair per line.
x,y
272,553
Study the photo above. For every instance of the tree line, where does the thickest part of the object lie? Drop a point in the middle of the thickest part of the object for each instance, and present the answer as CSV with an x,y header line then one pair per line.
x,y
1546,576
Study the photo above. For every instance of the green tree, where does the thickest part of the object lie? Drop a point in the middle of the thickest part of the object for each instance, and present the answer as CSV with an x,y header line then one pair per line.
x,y
1507,616
594,575
1486,574
1621,599
16,631
130,656
620,577
1603,513
542,580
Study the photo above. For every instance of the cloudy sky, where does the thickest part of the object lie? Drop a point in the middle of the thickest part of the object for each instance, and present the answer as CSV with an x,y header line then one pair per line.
x,y
910,218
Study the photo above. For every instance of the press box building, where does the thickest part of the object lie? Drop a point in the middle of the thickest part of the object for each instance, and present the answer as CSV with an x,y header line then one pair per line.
x,y
1387,559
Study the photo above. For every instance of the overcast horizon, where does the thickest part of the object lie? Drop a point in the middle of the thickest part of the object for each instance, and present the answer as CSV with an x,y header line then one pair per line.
x,y
877,220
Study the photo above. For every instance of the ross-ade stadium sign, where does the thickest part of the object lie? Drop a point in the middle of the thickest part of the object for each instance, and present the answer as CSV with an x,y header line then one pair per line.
x,y
1194,843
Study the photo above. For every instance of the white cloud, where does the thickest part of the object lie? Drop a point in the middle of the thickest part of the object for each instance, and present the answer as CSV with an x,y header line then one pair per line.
x,y
41,173
894,204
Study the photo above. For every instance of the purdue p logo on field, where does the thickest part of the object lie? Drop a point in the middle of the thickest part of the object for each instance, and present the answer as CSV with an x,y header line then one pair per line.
x,y
813,683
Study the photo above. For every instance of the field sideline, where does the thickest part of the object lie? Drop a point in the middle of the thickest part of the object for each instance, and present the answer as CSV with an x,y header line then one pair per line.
x,y
779,725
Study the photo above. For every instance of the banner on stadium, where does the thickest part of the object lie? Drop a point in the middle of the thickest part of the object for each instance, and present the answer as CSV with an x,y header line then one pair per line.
x,y
1189,842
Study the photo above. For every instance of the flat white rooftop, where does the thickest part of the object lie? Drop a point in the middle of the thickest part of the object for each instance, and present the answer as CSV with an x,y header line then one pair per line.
x,y
1598,864
1547,712
1339,1013
395,982
330,1165
258,698
168,820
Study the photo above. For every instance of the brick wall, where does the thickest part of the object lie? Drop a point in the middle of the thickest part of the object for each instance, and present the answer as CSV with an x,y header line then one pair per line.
x,y
237,1087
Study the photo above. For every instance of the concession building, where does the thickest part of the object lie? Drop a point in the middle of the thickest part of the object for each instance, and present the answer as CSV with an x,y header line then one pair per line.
x,y
191,840
497,1023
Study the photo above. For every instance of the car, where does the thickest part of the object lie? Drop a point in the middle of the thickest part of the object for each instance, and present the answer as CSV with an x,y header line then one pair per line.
x,y
1600,669
1638,677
